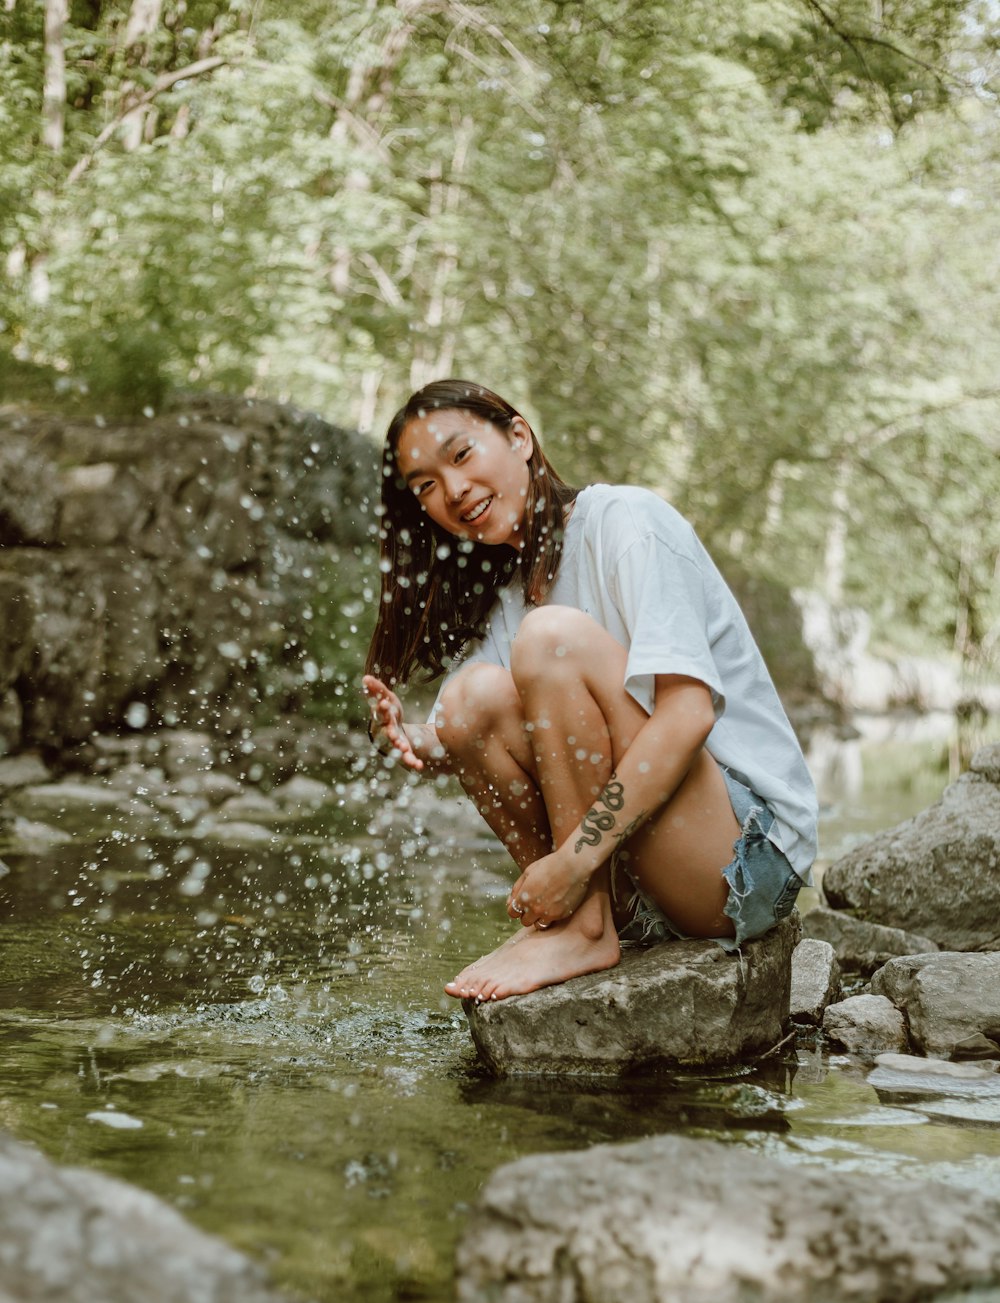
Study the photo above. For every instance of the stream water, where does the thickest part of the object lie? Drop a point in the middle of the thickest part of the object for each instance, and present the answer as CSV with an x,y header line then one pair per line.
x,y
258,1033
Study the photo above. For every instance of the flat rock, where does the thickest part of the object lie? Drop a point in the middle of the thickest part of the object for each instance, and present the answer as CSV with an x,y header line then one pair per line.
x,y
914,1063
213,787
947,997
938,874
233,833
897,1085
32,838
58,798
647,1222
300,790
963,1113
861,947
248,807
815,980
680,1003
80,1237
866,1024
24,770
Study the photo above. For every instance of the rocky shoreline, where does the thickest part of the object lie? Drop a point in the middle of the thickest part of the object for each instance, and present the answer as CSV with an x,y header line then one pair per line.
x,y
159,584
922,1019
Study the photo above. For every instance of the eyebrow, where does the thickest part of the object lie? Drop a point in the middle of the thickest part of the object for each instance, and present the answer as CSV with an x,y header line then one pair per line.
x,y
442,448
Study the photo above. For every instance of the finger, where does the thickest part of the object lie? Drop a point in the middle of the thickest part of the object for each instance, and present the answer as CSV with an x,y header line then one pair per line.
x,y
371,686
515,907
386,709
402,744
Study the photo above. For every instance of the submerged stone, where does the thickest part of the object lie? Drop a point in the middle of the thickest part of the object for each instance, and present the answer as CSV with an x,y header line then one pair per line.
x,y
683,1003
692,1221
25,770
896,1080
81,1236
300,790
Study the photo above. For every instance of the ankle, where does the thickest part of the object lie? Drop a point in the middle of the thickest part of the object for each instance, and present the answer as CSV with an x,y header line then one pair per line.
x,y
593,917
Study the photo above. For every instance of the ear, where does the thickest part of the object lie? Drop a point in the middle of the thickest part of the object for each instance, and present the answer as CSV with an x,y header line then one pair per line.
x,y
521,438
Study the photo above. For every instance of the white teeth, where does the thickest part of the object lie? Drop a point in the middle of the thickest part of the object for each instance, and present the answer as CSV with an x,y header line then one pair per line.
x,y
478,511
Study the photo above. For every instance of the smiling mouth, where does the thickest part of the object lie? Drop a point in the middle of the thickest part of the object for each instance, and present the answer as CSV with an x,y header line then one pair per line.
x,y
471,516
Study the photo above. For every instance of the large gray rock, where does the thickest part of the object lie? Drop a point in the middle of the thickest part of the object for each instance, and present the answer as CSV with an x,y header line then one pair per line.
x,y
866,1024
79,1237
171,565
937,874
673,1220
861,947
947,998
681,1002
815,980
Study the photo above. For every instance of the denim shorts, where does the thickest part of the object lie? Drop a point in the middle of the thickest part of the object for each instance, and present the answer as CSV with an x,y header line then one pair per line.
x,y
762,884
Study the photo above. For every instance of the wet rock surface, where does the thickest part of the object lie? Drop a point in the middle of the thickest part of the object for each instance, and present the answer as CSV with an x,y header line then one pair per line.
x,y
964,1094
642,1222
949,999
815,980
862,947
79,1237
938,874
681,1002
866,1024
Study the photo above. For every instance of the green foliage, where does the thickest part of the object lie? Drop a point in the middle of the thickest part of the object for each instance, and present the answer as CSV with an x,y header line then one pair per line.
x,y
738,251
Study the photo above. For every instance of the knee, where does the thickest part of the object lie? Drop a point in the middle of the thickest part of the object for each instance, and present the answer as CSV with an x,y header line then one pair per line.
x,y
471,706
551,639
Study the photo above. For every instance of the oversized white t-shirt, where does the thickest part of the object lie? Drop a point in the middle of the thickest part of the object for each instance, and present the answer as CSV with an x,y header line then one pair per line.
x,y
635,565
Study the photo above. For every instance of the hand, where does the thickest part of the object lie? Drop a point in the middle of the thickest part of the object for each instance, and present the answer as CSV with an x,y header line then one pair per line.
x,y
387,721
548,890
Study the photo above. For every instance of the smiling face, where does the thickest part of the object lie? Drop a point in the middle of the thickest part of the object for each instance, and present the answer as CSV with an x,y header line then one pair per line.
x,y
470,476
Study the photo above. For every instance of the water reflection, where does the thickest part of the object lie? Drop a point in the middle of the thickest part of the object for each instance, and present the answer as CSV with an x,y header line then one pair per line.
x,y
258,1033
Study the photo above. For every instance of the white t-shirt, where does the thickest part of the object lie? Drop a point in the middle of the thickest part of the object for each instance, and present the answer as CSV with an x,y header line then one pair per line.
x,y
635,565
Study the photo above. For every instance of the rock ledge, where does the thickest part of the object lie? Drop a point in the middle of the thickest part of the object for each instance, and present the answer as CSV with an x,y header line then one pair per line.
x,y
681,1003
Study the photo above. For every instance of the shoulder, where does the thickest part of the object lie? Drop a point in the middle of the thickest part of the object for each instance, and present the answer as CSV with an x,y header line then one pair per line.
x,y
624,514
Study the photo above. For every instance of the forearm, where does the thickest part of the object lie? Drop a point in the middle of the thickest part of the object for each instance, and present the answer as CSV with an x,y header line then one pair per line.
x,y
646,777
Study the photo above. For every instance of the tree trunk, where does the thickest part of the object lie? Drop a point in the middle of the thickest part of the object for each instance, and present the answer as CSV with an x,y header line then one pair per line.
x,y
835,557
369,91
143,20
54,93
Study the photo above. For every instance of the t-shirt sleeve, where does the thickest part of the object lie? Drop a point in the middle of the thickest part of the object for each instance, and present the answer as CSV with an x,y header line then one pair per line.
x,y
661,596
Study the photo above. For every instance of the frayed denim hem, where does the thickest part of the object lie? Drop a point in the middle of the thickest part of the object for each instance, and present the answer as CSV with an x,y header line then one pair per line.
x,y
762,884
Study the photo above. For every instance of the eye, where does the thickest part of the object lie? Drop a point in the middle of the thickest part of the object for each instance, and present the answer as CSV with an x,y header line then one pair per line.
x,y
422,487
463,452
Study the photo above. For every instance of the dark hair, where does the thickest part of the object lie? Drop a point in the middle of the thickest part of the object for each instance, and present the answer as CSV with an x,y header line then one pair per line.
x,y
437,590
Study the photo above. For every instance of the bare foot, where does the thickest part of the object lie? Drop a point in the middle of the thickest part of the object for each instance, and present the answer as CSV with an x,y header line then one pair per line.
x,y
534,957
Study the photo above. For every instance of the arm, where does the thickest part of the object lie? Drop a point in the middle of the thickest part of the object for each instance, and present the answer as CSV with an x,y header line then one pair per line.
x,y
418,744
645,779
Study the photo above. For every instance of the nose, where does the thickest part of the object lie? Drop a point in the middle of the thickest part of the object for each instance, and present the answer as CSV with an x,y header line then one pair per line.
x,y
456,486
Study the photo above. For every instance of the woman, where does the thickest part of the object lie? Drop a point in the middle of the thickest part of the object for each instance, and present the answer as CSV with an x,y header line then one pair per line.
x,y
609,714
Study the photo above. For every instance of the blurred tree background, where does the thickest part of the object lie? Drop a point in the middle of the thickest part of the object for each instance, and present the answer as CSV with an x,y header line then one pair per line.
x,y
743,251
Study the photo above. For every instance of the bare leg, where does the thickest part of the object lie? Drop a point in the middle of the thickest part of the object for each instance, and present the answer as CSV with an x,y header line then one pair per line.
x,y
566,675
482,728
